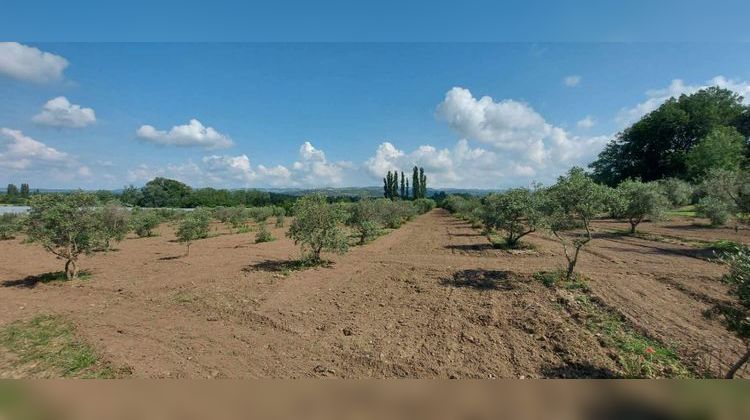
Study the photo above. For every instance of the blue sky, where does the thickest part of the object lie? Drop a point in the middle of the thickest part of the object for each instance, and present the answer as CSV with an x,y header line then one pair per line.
x,y
103,115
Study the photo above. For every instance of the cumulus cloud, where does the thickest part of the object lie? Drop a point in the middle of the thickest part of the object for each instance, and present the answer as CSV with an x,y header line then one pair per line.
x,y
30,64
314,170
586,122
459,166
515,130
656,97
188,172
572,80
192,134
21,152
59,112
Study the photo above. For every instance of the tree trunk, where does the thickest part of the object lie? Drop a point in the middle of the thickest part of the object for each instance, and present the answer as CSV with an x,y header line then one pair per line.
x,y
632,227
187,253
71,269
572,263
735,367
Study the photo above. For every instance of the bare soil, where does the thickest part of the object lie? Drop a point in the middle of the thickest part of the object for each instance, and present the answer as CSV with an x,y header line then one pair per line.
x,y
431,299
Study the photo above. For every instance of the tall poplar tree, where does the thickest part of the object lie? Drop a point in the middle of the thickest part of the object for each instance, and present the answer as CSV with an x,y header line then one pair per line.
x,y
422,184
403,186
415,183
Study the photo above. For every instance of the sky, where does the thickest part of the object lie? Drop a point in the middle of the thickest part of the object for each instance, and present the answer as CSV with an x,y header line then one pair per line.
x,y
232,115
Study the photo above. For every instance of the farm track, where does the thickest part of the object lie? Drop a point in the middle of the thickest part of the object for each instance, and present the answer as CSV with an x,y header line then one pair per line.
x,y
431,299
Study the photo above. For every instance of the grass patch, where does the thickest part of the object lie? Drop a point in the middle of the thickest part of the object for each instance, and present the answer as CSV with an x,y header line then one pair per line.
x,y
724,246
184,297
553,279
47,346
245,229
686,211
639,356
499,242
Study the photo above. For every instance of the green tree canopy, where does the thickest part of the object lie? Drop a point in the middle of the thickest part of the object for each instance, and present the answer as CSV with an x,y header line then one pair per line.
x,y
656,146
722,148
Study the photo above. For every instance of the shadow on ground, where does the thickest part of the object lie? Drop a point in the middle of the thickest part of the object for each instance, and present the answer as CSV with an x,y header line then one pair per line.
x,y
578,371
482,279
276,266
31,282
471,247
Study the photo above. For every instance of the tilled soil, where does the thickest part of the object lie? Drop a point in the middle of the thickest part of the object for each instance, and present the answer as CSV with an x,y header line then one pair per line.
x,y
431,299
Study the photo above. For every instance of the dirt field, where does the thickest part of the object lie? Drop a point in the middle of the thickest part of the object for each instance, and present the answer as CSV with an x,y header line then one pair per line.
x,y
431,299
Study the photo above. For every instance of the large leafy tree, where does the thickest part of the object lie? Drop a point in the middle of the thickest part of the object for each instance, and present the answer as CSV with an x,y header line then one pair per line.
x,y
656,146
165,192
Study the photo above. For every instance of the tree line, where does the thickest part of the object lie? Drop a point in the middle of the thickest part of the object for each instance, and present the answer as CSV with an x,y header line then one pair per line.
x,y
394,189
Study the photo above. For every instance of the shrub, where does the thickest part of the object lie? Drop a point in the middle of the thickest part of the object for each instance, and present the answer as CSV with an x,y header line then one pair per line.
x,y
640,200
736,315
261,214
115,223
571,204
316,227
9,225
65,225
678,192
515,212
192,227
223,214
714,209
263,234
731,187
280,220
423,205
237,217
143,222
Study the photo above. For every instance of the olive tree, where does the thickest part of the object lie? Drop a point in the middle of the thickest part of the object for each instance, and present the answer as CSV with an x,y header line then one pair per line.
x,y
65,225
677,191
716,210
115,223
731,187
570,205
316,227
640,200
515,212
192,227
143,222
363,218
9,225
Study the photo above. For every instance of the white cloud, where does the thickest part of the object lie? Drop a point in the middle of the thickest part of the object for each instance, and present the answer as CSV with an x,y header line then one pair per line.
x,y
521,135
572,80
587,122
314,170
189,173
20,152
460,166
31,64
656,97
59,112
192,134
